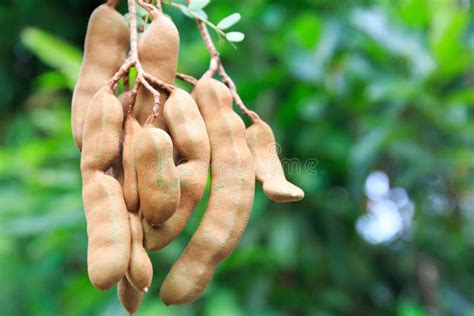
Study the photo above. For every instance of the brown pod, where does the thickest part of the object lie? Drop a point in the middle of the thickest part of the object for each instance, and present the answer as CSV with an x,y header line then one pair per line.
x,y
189,135
130,188
129,297
105,49
158,50
117,170
230,200
158,180
268,168
108,227
125,100
140,270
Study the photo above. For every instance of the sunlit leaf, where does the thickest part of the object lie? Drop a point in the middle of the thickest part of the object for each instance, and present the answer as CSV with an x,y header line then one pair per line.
x,y
196,5
235,37
229,21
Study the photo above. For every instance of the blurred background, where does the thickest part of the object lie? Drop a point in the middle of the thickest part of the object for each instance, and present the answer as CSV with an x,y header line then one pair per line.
x,y
372,103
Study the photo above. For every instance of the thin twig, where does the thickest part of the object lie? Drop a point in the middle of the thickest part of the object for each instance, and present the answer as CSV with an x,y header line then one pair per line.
x,y
187,78
216,65
113,3
133,96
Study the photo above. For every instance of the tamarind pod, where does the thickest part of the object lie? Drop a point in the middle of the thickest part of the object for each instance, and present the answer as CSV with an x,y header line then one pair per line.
x,y
105,50
189,135
158,52
105,121
230,200
129,297
130,188
116,170
268,168
125,100
158,180
140,270
108,227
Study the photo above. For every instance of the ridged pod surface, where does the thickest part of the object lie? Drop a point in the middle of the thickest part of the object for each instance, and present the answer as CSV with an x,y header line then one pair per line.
x,y
268,168
108,227
129,297
190,137
230,201
105,49
140,270
158,180
158,50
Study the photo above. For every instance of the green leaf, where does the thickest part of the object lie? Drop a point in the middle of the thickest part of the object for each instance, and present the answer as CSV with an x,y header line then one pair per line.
x,y
196,5
229,21
235,36
54,52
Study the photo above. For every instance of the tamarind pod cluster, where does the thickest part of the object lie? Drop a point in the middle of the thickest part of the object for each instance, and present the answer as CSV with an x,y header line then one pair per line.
x,y
108,227
230,201
105,49
190,137
158,52
268,168
140,270
129,297
158,180
130,188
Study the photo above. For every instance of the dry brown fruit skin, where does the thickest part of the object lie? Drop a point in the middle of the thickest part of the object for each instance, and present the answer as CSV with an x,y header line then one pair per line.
x,y
158,52
129,297
130,187
140,270
268,168
108,227
158,180
191,140
230,201
105,49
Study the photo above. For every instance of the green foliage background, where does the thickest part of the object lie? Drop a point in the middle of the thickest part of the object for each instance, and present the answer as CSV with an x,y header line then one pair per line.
x,y
358,85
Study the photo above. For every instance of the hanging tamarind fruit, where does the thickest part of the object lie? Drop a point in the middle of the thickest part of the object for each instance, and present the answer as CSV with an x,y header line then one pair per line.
x,y
129,297
190,137
230,201
158,180
108,227
105,49
158,52
140,270
130,185
268,167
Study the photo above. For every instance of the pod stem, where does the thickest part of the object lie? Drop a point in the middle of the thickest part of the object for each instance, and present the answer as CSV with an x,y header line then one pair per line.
x,y
216,66
148,81
187,78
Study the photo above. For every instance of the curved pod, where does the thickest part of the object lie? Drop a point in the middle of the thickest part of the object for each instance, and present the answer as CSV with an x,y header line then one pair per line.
x,y
140,270
108,227
158,181
130,182
105,49
129,297
190,137
268,168
158,52
230,201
